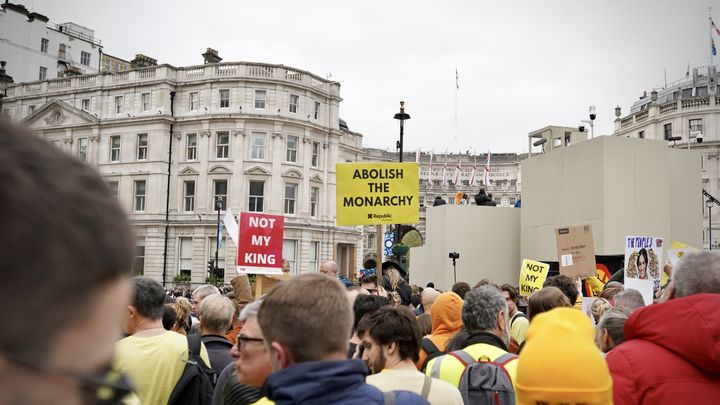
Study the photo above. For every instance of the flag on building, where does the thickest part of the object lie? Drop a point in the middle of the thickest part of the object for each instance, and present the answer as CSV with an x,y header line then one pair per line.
x,y
444,177
712,24
457,80
714,50
417,156
429,179
231,226
486,171
456,175
473,173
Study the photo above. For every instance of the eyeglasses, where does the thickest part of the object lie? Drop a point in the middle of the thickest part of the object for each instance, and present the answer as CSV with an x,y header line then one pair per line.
x,y
107,387
243,340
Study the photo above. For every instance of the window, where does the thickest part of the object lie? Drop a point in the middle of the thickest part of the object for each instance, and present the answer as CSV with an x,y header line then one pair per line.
x,y
702,91
145,101
142,146
43,73
61,51
138,268
118,104
289,253
84,58
31,109
114,188
82,149
294,101
370,241
224,98
315,154
695,125
702,162
314,195
257,194
220,191
189,193
222,144
290,197
313,254
260,99
44,43
139,195
687,93
193,101
317,110
667,129
291,148
85,104
641,134
257,149
115,148
213,247
185,257
191,140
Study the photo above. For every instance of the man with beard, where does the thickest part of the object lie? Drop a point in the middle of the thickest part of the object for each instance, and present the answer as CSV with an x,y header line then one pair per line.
x,y
391,337
485,333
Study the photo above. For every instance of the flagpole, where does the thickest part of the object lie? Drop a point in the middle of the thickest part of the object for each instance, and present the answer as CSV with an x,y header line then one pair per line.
x,y
457,88
712,44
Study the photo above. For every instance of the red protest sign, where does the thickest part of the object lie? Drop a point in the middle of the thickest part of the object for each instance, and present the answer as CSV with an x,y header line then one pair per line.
x,y
260,243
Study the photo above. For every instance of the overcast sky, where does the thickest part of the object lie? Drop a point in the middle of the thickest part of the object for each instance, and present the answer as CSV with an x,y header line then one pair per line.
x,y
522,65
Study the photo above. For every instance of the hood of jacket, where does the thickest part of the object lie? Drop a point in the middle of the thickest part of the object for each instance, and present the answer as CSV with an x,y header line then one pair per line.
x,y
316,381
689,327
446,314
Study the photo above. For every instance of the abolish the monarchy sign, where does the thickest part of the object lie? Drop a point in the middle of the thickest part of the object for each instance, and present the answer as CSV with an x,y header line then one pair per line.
x,y
377,193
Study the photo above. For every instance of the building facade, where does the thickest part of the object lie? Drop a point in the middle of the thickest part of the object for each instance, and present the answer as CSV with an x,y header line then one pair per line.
x,y
36,49
170,141
686,113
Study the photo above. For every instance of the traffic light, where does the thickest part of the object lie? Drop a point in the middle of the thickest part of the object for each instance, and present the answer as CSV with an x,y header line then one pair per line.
x,y
211,266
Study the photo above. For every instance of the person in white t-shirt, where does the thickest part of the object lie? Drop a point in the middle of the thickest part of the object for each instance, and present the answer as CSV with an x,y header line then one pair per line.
x,y
391,339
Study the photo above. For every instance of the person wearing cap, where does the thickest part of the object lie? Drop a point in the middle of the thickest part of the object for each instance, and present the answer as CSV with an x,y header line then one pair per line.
x,y
394,281
560,363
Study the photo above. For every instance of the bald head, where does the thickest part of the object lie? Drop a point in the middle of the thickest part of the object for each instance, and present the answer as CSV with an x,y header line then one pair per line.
x,y
329,268
429,295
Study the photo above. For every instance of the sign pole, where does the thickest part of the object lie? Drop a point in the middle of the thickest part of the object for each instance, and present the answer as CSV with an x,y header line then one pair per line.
x,y
379,239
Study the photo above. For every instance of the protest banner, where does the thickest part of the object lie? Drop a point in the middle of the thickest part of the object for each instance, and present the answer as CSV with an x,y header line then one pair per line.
x,y
644,259
576,251
677,251
532,276
377,193
260,244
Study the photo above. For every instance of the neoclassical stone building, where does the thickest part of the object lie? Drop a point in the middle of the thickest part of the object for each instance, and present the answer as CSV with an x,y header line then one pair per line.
x,y
170,141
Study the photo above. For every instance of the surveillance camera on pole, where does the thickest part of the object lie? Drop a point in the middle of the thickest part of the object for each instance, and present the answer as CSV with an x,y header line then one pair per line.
x,y
696,135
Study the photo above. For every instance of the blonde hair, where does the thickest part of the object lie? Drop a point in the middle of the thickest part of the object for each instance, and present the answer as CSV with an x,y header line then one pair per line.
x,y
598,308
395,278
182,320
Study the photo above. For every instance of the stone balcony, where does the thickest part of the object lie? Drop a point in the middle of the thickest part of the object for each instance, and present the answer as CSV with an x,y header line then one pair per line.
x,y
659,110
184,75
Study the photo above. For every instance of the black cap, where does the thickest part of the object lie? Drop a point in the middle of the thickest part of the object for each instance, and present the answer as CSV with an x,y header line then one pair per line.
x,y
393,264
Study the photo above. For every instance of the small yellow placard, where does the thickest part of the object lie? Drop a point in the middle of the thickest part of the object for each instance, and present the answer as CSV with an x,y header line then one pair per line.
x,y
532,276
377,193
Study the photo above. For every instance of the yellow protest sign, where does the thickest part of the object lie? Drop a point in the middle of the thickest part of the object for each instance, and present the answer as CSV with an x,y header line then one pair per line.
x,y
532,276
377,193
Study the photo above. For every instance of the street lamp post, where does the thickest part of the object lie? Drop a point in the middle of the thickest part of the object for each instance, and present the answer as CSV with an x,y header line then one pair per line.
x,y
401,116
709,204
218,207
591,122
5,79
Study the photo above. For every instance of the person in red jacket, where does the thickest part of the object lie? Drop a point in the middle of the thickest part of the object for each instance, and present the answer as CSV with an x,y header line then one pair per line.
x,y
672,352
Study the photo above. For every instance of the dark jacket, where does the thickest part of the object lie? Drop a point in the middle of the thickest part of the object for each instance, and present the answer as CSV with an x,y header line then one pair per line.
x,y
481,199
218,349
329,382
403,289
672,354
439,201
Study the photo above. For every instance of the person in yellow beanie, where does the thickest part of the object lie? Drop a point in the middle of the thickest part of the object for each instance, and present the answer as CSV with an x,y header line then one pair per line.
x,y
560,363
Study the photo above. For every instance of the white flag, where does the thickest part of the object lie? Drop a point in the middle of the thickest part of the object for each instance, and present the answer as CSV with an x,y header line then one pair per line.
x,y
231,226
486,175
456,175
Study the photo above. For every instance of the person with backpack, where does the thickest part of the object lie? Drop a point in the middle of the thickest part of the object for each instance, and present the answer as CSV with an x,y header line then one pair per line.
x,y
305,322
391,338
446,319
482,369
155,359
519,323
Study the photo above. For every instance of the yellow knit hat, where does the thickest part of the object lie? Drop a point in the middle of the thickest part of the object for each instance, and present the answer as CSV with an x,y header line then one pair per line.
x,y
560,362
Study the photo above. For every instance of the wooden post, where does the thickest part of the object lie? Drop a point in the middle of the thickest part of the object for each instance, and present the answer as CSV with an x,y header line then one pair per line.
x,y
379,244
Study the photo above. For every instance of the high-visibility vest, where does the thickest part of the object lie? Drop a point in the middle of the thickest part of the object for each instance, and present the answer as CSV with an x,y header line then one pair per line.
x,y
450,369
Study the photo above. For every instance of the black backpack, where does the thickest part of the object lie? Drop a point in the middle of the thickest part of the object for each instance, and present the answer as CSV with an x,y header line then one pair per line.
x,y
197,382
485,381
431,350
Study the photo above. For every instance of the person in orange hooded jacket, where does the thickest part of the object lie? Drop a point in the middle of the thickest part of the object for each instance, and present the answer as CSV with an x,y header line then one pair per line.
x,y
446,319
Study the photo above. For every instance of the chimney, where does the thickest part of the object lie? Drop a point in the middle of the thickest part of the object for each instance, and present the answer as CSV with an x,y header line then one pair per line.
x,y
142,61
211,56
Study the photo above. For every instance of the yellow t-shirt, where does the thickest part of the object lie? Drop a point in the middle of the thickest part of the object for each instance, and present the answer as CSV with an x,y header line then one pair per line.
x,y
441,392
154,364
263,401
519,328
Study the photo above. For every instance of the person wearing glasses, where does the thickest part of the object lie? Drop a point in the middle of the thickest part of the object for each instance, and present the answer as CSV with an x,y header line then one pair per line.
x,y
66,250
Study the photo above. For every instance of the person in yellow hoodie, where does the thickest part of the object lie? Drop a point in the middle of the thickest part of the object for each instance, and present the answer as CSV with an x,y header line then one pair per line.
x,y
446,317
560,363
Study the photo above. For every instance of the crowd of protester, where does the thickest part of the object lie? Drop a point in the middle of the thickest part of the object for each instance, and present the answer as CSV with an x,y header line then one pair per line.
x,y
316,338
